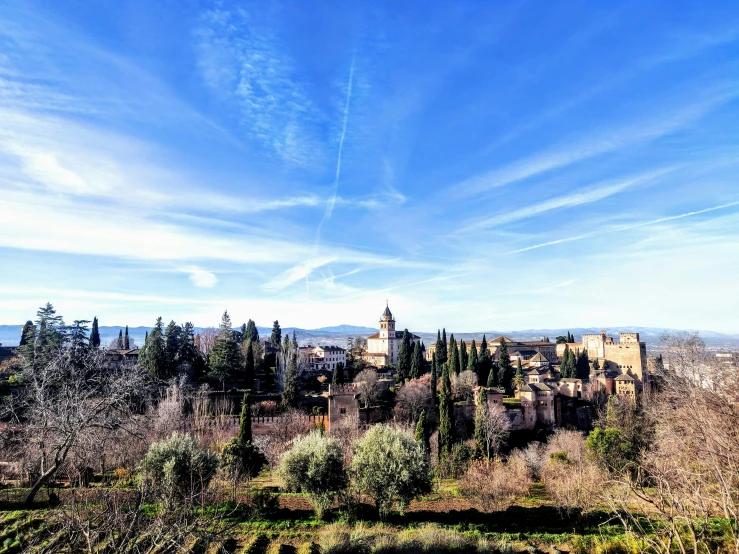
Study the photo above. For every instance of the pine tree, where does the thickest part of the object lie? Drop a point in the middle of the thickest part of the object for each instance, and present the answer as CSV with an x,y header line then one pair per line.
x,y
518,379
188,352
481,416
154,357
404,357
78,340
453,357
249,365
446,414
473,361
225,358
242,333
417,363
126,340
505,369
276,337
119,343
94,334
338,376
423,436
172,338
28,334
245,435
434,378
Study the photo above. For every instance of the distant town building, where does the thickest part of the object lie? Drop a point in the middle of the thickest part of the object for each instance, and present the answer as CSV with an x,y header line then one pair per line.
x,y
383,346
322,358
517,350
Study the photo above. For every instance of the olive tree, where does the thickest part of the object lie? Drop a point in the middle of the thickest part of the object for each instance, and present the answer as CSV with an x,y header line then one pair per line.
x,y
315,466
391,467
176,469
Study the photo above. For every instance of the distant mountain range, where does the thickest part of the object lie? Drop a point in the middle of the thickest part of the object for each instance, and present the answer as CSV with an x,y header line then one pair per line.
x,y
10,334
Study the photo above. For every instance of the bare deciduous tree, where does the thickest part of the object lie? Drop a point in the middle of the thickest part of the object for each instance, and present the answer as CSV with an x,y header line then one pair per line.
x,y
463,385
66,401
367,386
413,397
495,485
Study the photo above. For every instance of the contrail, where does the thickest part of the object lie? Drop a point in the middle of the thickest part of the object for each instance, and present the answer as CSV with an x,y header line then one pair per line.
x,y
625,227
332,200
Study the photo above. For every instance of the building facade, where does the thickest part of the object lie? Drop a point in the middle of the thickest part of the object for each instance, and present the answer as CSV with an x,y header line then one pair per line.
x,y
383,346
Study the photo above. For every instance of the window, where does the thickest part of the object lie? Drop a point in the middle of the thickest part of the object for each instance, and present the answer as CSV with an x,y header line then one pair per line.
x,y
342,411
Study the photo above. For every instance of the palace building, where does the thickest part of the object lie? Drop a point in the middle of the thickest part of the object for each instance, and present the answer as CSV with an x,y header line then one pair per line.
x,y
383,346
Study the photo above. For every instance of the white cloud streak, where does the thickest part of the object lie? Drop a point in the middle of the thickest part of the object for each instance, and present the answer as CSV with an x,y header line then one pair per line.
x,y
624,228
200,277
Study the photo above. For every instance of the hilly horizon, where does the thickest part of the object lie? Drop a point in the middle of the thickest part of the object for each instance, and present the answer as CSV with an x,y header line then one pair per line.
x,y
337,334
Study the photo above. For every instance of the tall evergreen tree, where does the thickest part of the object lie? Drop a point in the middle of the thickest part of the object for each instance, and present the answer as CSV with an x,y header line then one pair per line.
x,y
485,364
126,340
441,353
295,341
453,356
518,379
404,357
567,369
225,358
462,356
249,367
481,417
434,377
28,334
417,363
119,342
78,340
473,361
154,356
95,334
188,352
446,414
276,337
290,392
242,333
172,344
251,332
423,434
338,377
245,435
583,365
492,376
505,369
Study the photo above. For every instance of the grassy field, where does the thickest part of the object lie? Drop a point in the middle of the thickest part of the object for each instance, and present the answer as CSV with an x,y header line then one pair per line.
x,y
443,521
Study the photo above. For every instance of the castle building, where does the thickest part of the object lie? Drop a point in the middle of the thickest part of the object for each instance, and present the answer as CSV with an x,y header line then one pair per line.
x,y
383,346
517,350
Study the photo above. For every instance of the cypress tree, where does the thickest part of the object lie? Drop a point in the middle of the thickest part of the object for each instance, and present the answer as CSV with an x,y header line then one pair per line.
x,y
505,369
417,363
596,365
276,337
94,334
453,357
446,414
583,365
518,379
242,333
492,377
441,354
119,343
249,366
567,369
245,421
290,392
434,377
485,363
462,356
338,377
126,340
172,338
404,357
251,332
473,361
423,436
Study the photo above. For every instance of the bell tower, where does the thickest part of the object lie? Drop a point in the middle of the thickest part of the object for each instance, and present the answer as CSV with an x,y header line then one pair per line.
x,y
387,324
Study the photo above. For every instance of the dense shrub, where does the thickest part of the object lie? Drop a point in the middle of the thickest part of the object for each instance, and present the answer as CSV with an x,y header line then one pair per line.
x,y
176,469
242,460
315,466
391,467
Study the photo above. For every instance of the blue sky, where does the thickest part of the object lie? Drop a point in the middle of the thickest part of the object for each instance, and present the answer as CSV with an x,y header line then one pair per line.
x,y
480,165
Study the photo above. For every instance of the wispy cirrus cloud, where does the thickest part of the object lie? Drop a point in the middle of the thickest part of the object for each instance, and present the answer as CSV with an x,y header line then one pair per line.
x,y
240,58
611,141
624,228
587,195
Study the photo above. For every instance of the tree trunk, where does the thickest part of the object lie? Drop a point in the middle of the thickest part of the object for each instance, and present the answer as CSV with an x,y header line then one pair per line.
x,y
40,483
